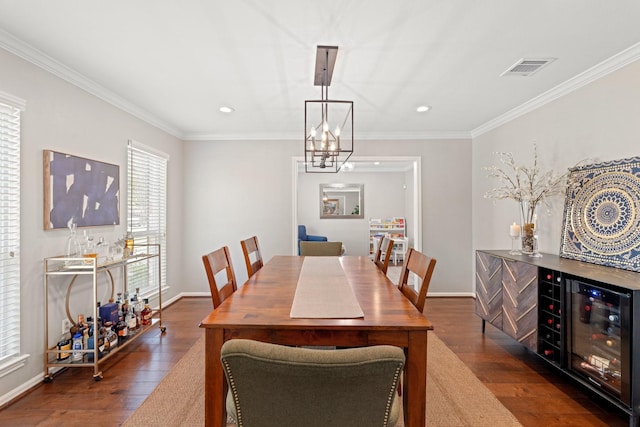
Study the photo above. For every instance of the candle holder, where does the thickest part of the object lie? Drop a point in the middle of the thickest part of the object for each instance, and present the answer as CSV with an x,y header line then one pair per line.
x,y
514,246
514,232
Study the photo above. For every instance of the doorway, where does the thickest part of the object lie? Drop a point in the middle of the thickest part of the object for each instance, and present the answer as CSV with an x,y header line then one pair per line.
x,y
412,209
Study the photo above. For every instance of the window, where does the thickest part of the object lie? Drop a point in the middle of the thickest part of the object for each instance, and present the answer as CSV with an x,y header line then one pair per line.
x,y
147,213
9,233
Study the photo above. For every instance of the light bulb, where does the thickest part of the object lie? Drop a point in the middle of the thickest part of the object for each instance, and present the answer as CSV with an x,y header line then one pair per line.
x,y
337,130
313,131
325,126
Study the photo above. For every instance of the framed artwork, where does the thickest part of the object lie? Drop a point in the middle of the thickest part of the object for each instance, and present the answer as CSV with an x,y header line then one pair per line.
x,y
331,207
83,190
601,222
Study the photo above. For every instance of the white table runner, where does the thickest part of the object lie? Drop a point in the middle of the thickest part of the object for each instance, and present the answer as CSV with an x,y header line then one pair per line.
x,y
323,291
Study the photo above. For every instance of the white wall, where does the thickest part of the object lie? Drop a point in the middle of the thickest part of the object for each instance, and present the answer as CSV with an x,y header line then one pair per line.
x,y
234,190
61,117
598,121
237,189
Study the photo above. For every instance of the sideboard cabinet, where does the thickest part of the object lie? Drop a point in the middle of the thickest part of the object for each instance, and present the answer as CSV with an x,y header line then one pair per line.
x,y
582,318
507,296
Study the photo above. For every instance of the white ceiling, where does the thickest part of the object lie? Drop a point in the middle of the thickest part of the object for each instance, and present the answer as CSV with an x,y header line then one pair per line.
x,y
174,63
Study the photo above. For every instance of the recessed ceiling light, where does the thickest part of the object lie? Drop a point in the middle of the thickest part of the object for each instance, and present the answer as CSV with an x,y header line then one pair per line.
x,y
423,108
376,163
227,109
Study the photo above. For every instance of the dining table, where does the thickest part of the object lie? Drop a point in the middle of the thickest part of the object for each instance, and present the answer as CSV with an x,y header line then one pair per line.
x,y
261,309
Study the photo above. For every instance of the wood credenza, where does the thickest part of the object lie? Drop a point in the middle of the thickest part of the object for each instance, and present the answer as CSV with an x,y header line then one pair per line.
x,y
507,296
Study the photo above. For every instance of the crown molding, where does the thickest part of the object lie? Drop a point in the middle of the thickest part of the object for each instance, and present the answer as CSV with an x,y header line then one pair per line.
x,y
594,73
369,136
27,52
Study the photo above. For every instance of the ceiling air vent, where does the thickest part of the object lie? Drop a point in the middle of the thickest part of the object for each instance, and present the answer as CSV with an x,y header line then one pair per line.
x,y
526,67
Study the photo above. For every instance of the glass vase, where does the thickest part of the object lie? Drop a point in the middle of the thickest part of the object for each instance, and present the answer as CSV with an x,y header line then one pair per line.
x,y
529,227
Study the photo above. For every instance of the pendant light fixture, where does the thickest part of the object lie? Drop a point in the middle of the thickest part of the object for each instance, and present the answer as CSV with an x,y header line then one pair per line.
x,y
328,123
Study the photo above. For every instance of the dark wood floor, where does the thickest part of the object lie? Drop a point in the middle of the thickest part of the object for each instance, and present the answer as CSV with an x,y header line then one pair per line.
x,y
536,394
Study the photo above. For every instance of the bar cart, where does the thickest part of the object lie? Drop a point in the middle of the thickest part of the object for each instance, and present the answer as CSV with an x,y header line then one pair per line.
x,y
56,269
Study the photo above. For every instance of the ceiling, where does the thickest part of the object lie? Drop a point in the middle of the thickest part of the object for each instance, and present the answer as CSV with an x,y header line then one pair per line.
x,y
174,63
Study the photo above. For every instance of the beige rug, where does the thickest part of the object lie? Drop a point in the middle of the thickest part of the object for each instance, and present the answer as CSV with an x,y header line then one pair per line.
x,y
455,397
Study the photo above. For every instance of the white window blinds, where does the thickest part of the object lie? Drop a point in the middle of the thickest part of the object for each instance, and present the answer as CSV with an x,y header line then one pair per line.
x,y
9,231
147,213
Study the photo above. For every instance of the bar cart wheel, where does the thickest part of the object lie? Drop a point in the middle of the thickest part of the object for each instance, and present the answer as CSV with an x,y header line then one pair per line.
x,y
98,376
47,379
163,329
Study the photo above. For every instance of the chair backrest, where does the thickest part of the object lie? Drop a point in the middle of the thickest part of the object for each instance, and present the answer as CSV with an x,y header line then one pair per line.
x,y
214,263
275,385
320,248
251,249
302,232
385,246
422,266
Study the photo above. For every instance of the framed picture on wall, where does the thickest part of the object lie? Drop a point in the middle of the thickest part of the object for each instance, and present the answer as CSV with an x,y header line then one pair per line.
x,y
331,207
602,216
81,190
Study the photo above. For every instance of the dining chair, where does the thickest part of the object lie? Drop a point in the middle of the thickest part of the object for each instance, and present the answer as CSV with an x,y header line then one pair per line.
x,y
215,262
385,247
421,266
251,249
320,248
274,385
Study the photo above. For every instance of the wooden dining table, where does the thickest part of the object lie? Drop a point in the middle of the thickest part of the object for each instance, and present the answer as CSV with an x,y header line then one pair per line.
x,y
260,310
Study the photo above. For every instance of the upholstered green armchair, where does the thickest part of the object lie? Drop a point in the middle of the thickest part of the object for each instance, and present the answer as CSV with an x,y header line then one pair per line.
x,y
274,385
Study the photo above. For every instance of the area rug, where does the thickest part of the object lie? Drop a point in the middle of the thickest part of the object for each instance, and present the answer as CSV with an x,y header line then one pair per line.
x,y
455,397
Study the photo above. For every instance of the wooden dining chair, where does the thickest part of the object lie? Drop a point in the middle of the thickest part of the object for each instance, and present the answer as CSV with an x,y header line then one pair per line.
x,y
421,266
215,262
320,248
251,249
385,247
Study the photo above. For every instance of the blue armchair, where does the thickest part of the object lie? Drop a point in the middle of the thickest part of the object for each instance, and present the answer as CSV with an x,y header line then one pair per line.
x,y
302,235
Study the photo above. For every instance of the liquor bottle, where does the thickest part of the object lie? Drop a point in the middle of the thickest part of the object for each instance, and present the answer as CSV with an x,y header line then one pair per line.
x,y
131,321
548,352
111,339
137,309
64,344
121,330
128,244
146,313
119,302
76,355
125,304
73,246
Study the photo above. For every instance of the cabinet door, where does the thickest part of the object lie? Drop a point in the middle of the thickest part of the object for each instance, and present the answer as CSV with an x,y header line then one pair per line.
x,y
520,302
489,288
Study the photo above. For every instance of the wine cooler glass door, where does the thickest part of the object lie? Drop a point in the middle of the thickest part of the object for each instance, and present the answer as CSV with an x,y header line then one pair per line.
x,y
599,337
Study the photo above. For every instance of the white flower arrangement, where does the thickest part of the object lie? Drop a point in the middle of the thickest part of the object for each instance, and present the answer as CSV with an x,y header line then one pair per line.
x,y
526,185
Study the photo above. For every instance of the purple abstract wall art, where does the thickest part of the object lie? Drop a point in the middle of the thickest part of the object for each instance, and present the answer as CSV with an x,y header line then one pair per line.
x,y
83,190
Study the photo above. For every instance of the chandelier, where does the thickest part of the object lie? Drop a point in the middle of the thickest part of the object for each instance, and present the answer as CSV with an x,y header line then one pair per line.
x,y
328,123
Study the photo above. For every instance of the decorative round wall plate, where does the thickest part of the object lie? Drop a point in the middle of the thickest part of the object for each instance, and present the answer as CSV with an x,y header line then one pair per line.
x,y
602,214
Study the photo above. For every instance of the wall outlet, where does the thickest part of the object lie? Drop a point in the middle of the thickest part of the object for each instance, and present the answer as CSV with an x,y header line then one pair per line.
x,y
66,325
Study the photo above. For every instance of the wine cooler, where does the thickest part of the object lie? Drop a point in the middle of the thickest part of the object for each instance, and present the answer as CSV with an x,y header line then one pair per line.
x,y
598,337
